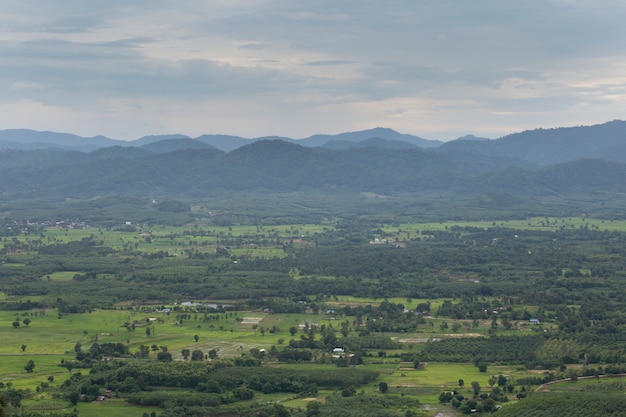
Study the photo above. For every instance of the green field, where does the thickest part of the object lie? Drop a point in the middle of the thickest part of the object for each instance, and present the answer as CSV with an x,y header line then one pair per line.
x,y
50,339
471,287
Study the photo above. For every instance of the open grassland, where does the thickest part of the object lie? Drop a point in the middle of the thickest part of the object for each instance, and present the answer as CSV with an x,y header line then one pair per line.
x,y
61,276
51,338
444,376
112,407
267,241
52,333
410,231
45,366
252,241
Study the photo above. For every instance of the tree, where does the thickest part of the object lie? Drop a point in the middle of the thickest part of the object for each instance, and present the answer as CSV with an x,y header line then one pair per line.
x,y
383,387
213,354
489,404
144,351
461,383
74,397
502,380
26,321
185,352
16,324
476,388
196,338
15,397
313,409
293,330
257,353
348,392
197,355
445,397
164,356
30,365
23,347
148,331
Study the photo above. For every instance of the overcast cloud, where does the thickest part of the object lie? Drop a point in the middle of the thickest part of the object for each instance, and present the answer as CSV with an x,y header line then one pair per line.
x,y
438,69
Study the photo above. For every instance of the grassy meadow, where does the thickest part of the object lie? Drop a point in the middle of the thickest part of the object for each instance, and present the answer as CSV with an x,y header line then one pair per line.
x,y
51,338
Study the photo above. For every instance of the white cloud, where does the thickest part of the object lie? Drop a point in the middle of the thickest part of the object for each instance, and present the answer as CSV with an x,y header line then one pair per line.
x,y
435,68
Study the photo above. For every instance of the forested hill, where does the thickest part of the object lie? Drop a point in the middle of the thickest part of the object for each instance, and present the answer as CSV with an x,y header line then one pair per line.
x,y
276,166
551,146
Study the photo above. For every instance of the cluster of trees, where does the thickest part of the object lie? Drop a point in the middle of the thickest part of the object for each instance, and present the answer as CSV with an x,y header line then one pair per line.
x,y
498,349
364,405
215,383
585,403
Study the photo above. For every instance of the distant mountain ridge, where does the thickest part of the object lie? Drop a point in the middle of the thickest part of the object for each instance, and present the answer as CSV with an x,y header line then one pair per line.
x,y
552,146
567,165
276,166
541,147
25,139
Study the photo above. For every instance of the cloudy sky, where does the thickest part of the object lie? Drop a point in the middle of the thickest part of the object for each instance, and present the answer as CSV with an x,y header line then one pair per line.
x,y
438,69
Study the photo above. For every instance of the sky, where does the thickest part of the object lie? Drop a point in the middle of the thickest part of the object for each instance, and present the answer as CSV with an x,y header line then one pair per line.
x,y
438,69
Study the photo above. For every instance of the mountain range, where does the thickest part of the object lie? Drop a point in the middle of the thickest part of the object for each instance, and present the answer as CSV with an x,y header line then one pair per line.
x,y
540,146
24,139
566,166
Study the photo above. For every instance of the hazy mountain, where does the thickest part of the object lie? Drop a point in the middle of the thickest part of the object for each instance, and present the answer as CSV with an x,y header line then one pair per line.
x,y
225,143
368,143
539,147
169,145
342,140
569,168
26,139
29,139
471,137
552,146
379,132
146,140
275,166
116,153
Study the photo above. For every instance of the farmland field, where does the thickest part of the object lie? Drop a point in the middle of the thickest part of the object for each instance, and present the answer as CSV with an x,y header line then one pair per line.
x,y
427,316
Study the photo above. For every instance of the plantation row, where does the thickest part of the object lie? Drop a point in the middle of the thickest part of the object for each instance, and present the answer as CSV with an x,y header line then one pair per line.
x,y
580,404
500,349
